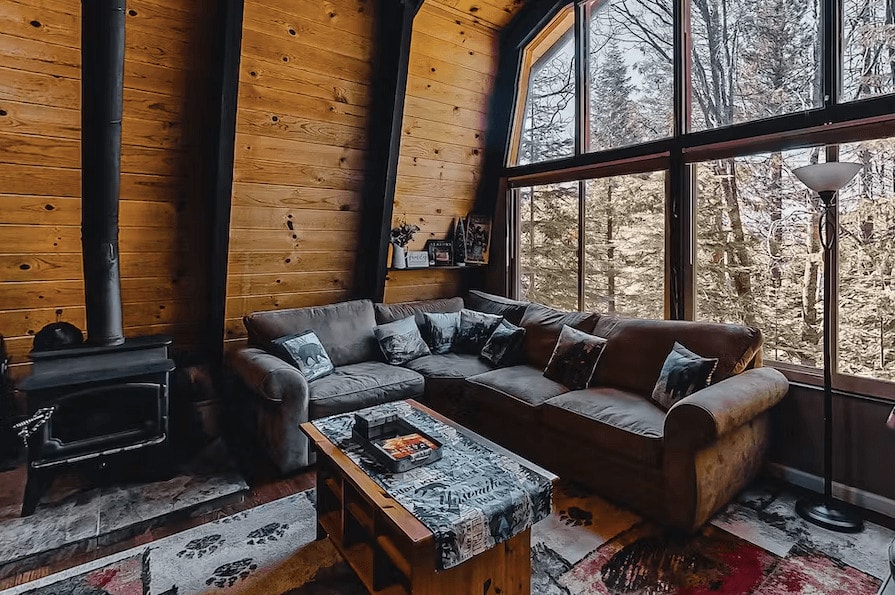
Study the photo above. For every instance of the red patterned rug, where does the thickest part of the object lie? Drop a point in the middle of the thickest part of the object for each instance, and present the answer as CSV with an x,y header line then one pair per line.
x,y
587,546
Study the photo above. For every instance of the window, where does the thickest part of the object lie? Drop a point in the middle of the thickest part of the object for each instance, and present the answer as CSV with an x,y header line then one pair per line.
x,y
651,162
868,52
547,119
548,244
624,265
758,255
630,85
866,338
753,60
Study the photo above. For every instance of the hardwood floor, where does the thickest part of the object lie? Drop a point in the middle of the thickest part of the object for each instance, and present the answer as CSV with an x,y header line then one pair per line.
x,y
265,488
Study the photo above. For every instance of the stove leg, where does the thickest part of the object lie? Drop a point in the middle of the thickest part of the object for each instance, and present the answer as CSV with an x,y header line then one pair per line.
x,y
38,482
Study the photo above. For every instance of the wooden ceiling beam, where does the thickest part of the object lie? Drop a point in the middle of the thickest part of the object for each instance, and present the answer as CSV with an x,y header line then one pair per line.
x,y
394,31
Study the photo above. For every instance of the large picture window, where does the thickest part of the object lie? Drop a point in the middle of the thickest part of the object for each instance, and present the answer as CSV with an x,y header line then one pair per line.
x,y
650,167
753,60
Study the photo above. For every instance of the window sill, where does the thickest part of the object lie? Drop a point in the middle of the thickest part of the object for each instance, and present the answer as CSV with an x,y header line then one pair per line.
x,y
842,383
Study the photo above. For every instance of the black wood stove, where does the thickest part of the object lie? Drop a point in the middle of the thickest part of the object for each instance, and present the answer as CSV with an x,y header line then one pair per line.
x,y
105,401
110,395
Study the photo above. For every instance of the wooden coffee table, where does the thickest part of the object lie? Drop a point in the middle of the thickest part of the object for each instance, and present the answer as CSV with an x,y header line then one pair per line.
x,y
390,549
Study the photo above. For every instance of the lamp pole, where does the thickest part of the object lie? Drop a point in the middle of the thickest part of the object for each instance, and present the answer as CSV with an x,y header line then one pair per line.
x,y
826,179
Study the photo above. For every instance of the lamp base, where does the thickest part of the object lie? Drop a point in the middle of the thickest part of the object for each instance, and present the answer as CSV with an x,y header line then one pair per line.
x,y
828,514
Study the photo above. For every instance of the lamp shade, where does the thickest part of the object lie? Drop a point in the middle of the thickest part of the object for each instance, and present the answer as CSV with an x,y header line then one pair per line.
x,y
827,177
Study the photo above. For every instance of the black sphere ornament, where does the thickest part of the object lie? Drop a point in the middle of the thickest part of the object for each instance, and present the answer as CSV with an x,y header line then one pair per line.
x,y
57,335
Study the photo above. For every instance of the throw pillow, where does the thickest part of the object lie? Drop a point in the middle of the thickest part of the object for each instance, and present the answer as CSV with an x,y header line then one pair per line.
x,y
504,346
474,331
439,330
400,341
305,352
574,358
683,373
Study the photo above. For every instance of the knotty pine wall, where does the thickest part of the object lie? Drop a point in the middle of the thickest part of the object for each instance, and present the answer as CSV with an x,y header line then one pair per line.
x,y
301,130
162,231
302,124
453,62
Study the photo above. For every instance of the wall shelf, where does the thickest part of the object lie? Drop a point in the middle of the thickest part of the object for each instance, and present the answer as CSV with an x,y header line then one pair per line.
x,y
452,267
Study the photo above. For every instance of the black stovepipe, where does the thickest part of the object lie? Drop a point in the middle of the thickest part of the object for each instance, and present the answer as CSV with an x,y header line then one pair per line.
x,y
102,98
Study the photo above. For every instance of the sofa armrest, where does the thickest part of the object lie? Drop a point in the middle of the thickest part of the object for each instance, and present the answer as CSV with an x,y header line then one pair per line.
x,y
269,377
712,412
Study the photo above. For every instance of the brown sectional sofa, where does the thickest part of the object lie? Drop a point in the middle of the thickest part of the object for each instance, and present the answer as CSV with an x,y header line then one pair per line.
x,y
677,467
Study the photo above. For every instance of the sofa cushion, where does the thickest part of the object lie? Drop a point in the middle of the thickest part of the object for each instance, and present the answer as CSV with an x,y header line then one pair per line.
x,y
305,352
512,310
439,330
448,365
542,327
574,358
356,386
609,420
474,331
392,312
345,329
636,349
400,341
683,373
514,394
522,382
504,346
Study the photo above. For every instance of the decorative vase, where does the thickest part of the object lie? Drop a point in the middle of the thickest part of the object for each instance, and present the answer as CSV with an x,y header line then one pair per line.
x,y
399,257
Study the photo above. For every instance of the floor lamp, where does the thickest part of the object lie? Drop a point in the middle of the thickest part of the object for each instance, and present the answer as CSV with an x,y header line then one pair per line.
x,y
826,179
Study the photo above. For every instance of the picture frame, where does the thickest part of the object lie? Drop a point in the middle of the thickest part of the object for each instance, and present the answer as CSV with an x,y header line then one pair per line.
x,y
417,259
441,253
478,238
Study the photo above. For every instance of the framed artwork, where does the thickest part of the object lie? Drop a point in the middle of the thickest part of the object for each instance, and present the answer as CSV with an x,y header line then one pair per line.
x,y
478,238
441,253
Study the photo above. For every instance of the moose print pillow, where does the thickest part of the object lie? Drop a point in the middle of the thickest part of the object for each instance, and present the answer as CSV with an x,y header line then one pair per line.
x,y
683,373
305,352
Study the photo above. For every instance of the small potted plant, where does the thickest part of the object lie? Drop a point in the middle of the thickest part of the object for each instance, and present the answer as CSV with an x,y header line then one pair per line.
x,y
401,236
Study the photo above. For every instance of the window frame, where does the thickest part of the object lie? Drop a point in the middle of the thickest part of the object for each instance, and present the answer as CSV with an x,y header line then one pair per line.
x,y
836,122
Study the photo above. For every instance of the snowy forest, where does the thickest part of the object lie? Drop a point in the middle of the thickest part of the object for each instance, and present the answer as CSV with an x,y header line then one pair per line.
x,y
758,255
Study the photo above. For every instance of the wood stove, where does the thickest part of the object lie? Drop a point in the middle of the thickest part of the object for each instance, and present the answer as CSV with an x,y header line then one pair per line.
x,y
109,396
106,401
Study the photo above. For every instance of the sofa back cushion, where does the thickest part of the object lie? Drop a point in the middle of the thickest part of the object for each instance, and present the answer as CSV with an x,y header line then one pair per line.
x,y
637,348
511,310
542,326
345,329
386,313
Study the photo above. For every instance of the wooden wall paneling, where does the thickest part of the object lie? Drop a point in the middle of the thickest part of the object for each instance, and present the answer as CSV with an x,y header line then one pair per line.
x,y
300,156
161,230
451,73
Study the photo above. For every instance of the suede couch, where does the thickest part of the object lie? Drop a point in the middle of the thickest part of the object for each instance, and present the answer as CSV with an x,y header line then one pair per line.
x,y
677,467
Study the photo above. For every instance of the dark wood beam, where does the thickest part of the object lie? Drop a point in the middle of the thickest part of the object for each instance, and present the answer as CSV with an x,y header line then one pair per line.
x,y
394,32
225,89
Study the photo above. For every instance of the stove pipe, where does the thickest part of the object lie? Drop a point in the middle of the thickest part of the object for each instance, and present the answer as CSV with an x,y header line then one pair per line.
x,y
102,76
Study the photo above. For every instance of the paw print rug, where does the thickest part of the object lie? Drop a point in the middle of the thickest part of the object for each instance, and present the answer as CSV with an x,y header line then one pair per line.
x,y
586,546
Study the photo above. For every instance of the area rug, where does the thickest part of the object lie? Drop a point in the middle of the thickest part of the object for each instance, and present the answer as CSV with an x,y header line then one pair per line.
x,y
586,546
76,510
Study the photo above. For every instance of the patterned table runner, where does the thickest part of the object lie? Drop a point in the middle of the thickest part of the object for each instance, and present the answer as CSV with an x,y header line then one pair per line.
x,y
471,499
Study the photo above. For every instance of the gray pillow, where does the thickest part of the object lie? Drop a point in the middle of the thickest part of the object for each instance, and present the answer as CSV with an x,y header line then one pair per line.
x,y
474,331
504,346
439,330
305,352
400,341
574,358
683,373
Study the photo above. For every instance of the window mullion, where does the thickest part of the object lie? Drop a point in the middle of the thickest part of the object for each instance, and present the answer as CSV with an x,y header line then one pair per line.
x,y
582,116
831,45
